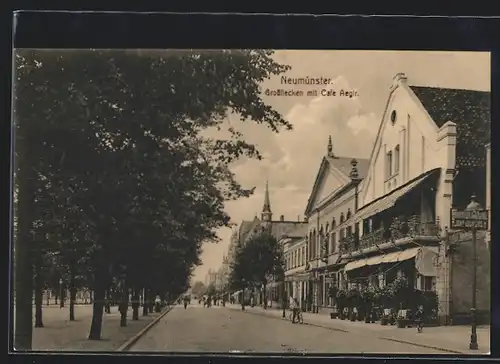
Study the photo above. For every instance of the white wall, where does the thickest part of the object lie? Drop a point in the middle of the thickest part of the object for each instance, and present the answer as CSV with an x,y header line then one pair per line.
x,y
423,147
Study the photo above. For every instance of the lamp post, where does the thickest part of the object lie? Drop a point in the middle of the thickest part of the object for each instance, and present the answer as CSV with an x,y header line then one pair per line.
x,y
284,299
61,298
473,206
243,295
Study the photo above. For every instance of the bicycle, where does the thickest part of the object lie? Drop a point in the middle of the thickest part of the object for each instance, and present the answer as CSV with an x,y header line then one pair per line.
x,y
299,317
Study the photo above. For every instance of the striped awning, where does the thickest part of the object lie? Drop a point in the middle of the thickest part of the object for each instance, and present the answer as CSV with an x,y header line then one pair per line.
x,y
394,257
389,200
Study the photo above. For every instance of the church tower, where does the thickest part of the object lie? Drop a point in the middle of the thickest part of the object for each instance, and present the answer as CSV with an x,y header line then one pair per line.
x,y
267,215
329,150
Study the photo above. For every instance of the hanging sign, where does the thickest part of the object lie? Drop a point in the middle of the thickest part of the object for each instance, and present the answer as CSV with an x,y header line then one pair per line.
x,y
469,219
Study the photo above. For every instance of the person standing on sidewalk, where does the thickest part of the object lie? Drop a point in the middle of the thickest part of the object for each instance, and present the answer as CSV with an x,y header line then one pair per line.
x,y
294,307
157,303
419,318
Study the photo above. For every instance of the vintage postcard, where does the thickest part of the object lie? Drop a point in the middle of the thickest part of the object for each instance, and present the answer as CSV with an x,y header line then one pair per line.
x,y
252,201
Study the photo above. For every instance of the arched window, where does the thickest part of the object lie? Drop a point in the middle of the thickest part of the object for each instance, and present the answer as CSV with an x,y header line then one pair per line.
x,y
341,217
348,214
334,223
327,228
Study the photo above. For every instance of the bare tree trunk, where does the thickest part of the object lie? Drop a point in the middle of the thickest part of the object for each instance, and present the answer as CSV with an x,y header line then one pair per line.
x,y
23,268
264,295
97,298
145,302
38,307
38,290
135,304
72,297
124,307
107,304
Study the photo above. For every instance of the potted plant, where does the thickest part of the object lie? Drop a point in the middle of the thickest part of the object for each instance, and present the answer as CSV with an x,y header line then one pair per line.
x,y
341,300
367,295
400,294
385,302
353,301
332,293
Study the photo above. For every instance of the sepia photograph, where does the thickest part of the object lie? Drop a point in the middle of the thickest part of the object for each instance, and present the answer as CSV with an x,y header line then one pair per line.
x,y
241,201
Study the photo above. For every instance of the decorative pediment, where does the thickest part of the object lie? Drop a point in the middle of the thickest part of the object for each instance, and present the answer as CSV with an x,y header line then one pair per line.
x,y
328,180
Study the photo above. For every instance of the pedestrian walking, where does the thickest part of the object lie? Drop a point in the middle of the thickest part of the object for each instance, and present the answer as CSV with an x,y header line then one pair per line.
x,y
157,303
294,306
419,318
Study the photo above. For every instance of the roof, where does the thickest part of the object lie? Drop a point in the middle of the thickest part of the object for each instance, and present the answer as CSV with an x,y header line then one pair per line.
x,y
245,228
456,105
470,110
280,228
299,231
343,164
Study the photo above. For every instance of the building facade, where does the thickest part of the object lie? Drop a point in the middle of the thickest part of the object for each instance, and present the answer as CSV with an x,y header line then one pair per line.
x,y
426,160
294,247
277,228
334,198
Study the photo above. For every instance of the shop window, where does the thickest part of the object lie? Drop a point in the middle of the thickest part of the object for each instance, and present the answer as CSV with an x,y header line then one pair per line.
x,y
427,283
390,276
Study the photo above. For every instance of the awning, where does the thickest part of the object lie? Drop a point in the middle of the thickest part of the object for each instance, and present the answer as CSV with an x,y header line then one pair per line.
x,y
236,293
394,257
389,200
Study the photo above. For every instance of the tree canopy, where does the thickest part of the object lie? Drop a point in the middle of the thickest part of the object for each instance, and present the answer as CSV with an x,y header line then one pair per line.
x,y
256,262
112,168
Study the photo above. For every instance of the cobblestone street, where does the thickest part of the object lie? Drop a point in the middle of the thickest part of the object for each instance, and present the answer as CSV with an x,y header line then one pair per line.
x,y
225,329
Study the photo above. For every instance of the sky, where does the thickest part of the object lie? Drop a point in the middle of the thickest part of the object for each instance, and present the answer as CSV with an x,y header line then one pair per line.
x,y
292,158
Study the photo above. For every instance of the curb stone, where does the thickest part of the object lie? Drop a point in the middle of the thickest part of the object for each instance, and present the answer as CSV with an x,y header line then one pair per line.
x,y
305,323
424,345
129,343
383,338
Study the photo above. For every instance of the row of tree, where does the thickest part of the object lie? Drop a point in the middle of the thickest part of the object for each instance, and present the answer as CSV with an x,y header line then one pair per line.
x,y
115,186
258,261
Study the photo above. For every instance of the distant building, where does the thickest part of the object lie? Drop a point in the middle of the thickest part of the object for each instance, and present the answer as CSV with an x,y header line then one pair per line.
x,y
295,259
248,229
334,199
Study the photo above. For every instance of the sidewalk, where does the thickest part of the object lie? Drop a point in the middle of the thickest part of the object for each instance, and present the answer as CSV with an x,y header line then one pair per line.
x,y
60,334
452,339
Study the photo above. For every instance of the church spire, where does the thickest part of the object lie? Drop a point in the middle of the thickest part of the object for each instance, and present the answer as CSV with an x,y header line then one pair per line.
x,y
330,147
266,210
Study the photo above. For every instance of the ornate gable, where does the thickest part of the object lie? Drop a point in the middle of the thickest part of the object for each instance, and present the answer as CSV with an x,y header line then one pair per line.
x,y
328,180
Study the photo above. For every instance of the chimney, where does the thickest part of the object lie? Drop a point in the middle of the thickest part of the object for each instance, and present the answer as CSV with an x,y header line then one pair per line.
x,y
298,218
282,218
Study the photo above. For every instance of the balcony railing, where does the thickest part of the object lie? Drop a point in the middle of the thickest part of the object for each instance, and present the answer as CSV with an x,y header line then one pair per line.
x,y
412,227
